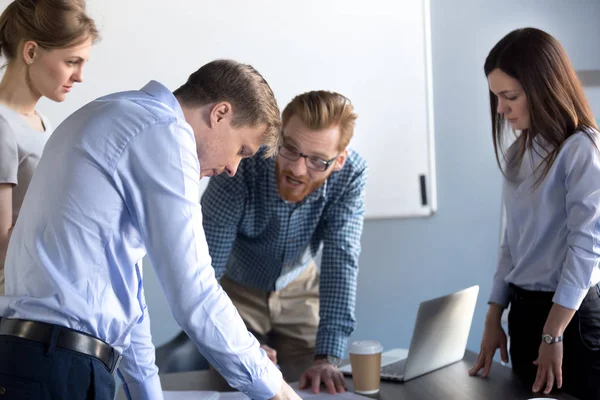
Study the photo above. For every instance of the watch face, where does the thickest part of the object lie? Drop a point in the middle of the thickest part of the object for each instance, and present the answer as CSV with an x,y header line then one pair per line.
x,y
548,339
333,361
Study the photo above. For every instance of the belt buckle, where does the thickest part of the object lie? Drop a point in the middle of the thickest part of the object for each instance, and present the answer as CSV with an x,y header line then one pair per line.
x,y
116,363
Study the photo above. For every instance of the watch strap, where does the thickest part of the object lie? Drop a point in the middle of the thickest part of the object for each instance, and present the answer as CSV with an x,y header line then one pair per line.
x,y
549,339
333,360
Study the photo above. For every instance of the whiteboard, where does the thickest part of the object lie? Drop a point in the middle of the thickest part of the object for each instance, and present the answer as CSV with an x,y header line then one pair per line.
x,y
375,52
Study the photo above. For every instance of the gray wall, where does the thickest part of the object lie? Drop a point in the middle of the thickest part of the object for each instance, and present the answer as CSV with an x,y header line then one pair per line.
x,y
406,261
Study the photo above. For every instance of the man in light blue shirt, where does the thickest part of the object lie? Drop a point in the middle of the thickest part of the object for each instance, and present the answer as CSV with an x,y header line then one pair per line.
x,y
119,179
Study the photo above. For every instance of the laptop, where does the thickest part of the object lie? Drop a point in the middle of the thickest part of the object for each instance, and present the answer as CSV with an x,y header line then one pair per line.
x,y
439,337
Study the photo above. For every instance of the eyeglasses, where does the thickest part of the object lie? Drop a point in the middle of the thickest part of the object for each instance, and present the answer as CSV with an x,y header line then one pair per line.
x,y
312,162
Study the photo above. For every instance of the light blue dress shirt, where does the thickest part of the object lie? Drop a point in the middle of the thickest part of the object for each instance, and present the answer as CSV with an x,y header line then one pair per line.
x,y
552,231
119,179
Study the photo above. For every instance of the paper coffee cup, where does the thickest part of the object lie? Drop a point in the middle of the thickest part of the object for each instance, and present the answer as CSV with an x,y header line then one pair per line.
x,y
365,358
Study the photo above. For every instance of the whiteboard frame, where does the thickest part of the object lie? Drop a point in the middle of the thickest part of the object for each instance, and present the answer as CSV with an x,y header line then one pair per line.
x,y
431,179
430,109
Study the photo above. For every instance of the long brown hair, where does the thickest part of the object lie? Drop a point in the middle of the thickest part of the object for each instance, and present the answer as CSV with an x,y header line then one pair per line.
x,y
557,104
52,24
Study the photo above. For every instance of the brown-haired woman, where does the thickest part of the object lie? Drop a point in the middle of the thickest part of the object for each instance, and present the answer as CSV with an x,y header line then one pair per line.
x,y
548,262
46,43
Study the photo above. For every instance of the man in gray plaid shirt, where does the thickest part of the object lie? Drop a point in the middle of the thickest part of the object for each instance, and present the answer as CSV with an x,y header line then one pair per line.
x,y
265,225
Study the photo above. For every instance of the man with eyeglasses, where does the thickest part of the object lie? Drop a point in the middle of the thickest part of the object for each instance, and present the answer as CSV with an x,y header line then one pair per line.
x,y
265,226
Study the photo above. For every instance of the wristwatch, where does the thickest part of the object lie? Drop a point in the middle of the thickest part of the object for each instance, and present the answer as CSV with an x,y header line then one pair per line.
x,y
333,360
549,339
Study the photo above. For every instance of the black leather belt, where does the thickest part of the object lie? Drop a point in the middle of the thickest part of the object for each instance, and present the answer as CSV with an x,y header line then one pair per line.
x,y
66,339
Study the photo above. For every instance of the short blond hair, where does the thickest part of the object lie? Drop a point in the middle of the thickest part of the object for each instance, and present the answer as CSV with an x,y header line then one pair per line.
x,y
241,85
321,109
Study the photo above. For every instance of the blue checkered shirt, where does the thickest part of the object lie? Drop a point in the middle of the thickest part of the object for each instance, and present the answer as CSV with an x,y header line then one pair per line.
x,y
264,242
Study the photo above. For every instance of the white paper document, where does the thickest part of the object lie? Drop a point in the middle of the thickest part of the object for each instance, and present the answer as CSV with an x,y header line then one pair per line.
x,y
327,396
203,395
209,395
190,394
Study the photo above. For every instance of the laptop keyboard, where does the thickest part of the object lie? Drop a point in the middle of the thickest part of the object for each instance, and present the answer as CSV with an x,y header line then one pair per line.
x,y
394,370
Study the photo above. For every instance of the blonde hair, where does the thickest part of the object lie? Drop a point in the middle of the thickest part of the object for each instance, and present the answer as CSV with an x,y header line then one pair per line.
x,y
321,109
52,24
241,85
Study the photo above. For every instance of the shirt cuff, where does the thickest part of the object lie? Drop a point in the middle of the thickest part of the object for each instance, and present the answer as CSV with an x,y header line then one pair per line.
x,y
332,345
267,386
569,296
10,179
500,293
150,389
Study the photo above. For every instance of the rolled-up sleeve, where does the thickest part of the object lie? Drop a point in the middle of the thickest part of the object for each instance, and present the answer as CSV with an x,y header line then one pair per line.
x,y
9,154
339,268
159,174
500,293
582,183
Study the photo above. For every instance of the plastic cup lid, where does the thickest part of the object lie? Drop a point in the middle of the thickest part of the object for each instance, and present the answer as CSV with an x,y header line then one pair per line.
x,y
366,347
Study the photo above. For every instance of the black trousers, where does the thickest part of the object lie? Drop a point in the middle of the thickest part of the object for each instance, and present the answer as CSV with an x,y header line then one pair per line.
x,y
581,343
34,371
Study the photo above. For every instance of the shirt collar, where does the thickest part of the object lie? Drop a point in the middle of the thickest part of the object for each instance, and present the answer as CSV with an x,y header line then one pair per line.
x,y
164,95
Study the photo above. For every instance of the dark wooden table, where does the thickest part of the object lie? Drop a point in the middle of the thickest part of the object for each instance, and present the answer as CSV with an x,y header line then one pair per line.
x,y
449,383
454,382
